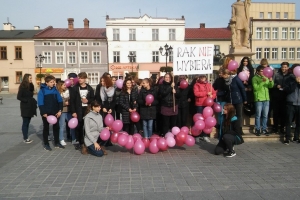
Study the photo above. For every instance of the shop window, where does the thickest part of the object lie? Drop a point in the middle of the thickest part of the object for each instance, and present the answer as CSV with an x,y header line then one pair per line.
x,y
18,76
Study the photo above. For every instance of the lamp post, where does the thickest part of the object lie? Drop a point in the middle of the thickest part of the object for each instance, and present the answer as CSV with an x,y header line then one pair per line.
x,y
40,59
168,51
131,56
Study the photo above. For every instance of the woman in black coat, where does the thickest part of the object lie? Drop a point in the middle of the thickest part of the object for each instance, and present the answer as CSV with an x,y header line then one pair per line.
x,y
128,103
28,104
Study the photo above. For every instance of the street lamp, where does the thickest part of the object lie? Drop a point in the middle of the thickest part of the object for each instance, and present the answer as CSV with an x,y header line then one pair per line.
x,y
40,59
168,51
131,57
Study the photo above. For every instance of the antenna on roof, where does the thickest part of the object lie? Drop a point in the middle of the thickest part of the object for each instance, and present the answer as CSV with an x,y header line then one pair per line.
x,y
7,19
140,11
156,12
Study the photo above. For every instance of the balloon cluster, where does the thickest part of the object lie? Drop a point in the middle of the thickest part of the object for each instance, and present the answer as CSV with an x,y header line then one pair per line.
x,y
68,82
296,71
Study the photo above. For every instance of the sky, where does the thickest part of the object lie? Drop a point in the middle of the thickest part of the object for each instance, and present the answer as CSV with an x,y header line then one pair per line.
x,y
25,14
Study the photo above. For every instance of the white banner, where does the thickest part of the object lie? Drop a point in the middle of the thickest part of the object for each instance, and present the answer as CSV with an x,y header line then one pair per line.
x,y
193,59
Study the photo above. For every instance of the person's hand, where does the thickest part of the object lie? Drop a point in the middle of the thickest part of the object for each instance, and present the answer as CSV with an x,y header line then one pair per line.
x,y
58,114
172,84
264,79
66,103
245,82
109,111
298,79
149,104
174,91
134,110
104,110
130,110
209,93
97,146
271,79
74,115
134,102
108,127
84,100
45,115
245,102
189,100
278,86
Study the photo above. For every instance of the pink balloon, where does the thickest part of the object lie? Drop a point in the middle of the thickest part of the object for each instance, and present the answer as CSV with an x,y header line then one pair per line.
x,y
161,80
185,129
175,130
108,120
146,142
210,122
139,147
162,144
207,130
153,137
169,134
136,136
200,125
233,65
195,131
153,146
104,134
122,139
68,82
114,137
181,136
170,141
207,112
296,71
51,119
183,84
209,101
268,72
130,142
149,99
135,116
179,142
73,123
190,141
117,125
75,80
243,76
119,83
217,107
198,116
124,132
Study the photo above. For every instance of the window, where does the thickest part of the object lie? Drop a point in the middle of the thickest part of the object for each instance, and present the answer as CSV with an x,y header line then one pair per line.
x,y
283,53
274,53
171,56
258,33
261,15
267,53
284,33
267,34
18,76
275,33
3,53
96,43
83,43
291,53
285,15
155,34
172,34
116,56
48,57
93,78
46,43
18,51
269,15
59,43
116,34
59,57
72,57
132,34
155,56
84,57
292,33
71,43
96,57
132,59
277,15
298,34
258,53
298,53
216,49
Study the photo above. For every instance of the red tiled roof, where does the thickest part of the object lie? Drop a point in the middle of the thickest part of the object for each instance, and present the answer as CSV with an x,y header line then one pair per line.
x,y
207,33
77,33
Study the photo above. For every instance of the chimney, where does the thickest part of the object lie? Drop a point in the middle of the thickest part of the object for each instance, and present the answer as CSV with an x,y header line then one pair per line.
x,y
70,24
36,27
7,26
202,25
182,17
107,16
86,23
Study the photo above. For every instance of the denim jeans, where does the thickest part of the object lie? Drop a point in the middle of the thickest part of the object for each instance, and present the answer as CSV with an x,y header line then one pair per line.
x,y
25,127
147,127
62,125
93,151
261,112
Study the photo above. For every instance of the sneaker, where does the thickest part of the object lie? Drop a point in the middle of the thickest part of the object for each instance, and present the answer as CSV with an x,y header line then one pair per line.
x,y
295,140
75,142
206,139
47,147
226,151
77,146
28,141
257,132
62,142
265,132
59,146
286,142
274,130
293,125
49,138
231,154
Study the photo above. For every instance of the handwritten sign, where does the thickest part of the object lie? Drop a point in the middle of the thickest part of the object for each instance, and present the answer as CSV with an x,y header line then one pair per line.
x,y
193,59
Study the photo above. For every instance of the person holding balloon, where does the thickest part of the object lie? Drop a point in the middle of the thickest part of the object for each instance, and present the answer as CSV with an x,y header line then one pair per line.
x,y
50,104
147,101
246,73
183,103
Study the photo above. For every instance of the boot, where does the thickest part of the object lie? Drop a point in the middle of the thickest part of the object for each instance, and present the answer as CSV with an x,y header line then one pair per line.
x,y
104,150
84,150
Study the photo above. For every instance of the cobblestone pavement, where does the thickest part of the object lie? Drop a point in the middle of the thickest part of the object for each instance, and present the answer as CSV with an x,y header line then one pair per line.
x,y
259,171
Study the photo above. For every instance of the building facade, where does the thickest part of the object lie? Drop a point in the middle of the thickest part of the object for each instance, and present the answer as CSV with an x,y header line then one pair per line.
x,y
142,37
16,57
72,49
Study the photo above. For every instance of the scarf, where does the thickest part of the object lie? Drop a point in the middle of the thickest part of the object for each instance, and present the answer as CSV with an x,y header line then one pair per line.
x,y
228,80
65,94
107,94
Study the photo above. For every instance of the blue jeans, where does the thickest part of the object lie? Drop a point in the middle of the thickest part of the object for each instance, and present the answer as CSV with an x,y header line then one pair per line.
x,y
93,151
147,127
25,127
62,125
261,111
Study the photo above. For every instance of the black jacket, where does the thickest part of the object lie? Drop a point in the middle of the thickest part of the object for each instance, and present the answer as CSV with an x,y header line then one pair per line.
x,y
184,95
147,112
233,129
166,94
28,104
220,86
97,94
127,103
279,79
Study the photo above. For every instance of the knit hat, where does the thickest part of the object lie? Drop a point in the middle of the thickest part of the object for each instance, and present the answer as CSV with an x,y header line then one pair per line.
x,y
72,75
